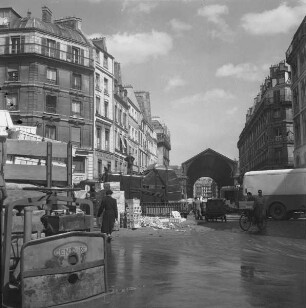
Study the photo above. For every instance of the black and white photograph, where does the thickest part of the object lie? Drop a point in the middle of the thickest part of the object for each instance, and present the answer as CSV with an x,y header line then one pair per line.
x,y
153,153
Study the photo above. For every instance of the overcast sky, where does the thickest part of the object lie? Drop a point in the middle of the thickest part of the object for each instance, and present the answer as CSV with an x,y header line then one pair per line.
x,y
202,61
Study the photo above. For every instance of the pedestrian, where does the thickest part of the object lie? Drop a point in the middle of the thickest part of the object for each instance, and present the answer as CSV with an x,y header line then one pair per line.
x,y
198,209
109,211
259,206
250,196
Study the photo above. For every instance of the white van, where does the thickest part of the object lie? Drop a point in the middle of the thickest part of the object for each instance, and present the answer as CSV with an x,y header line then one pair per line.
x,y
284,190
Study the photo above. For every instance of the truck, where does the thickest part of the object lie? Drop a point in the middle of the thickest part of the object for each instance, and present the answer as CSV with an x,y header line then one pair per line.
x,y
284,190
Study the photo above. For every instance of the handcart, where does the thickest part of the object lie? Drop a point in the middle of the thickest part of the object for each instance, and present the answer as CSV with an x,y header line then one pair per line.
x,y
215,209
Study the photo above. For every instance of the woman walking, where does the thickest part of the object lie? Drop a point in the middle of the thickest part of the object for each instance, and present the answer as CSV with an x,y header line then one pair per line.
x,y
109,211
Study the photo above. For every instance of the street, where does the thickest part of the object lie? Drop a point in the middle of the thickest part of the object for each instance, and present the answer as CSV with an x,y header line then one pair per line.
x,y
213,264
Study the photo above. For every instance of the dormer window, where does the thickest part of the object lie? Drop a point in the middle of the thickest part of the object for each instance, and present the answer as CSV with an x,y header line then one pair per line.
x,y
105,61
75,55
98,56
51,48
15,44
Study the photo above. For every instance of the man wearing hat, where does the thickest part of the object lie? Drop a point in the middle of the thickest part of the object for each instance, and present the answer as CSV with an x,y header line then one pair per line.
x,y
259,206
109,211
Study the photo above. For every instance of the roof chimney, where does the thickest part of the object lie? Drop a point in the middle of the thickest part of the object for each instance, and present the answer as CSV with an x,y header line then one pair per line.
x,y
29,14
71,22
46,14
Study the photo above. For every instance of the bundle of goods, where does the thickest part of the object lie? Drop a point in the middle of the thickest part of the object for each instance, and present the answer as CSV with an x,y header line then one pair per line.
x,y
133,213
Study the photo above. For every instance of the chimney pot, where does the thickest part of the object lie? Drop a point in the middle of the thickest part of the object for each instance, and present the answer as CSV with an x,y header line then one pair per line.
x,y
46,14
29,14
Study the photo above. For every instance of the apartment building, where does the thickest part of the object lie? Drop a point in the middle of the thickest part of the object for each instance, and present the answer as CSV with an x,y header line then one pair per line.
x,y
46,77
121,122
267,139
148,137
296,57
134,124
104,133
53,77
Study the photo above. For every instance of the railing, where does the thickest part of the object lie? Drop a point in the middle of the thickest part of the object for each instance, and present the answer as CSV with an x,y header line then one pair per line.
x,y
164,209
51,52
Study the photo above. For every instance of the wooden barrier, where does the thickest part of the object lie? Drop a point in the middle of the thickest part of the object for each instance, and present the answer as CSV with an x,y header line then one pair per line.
x,y
164,209
46,174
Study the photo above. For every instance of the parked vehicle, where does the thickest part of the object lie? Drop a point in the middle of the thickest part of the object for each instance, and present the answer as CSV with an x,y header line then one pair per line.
x,y
215,209
284,190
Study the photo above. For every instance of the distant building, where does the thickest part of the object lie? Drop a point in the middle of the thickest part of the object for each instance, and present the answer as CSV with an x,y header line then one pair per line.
x,y
296,57
163,141
46,76
182,178
121,121
266,141
134,127
148,137
104,145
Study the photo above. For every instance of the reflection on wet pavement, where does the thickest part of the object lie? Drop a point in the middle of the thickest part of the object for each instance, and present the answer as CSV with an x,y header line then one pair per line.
x,y
206,269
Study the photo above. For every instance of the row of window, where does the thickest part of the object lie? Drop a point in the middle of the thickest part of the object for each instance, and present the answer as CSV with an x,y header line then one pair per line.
x,y
102,143
105,59
51,76
120,117
98,83
51,104
102,110
50,131
48,47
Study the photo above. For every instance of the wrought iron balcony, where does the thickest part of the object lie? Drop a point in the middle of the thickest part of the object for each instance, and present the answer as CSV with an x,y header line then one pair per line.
x,y
51,52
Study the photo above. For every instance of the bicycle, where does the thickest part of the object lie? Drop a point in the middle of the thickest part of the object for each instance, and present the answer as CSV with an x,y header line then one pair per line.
x,y
247,219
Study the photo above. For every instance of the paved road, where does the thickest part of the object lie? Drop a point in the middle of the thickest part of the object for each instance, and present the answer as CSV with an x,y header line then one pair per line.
x,y
212,265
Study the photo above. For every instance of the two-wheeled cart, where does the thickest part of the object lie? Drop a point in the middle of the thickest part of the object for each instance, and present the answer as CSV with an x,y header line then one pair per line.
x,y
215,209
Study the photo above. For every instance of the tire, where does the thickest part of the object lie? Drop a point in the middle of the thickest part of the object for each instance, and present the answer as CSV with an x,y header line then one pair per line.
x,y
244,222
278,211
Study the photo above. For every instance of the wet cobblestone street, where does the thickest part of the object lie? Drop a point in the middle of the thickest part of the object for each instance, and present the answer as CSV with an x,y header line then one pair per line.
x,y
208,265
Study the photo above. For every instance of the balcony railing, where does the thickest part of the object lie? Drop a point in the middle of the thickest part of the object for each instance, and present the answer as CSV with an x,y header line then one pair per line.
x,y
288,139
34,48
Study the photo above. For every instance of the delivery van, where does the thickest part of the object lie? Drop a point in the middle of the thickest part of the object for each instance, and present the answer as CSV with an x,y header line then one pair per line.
x,y
284,190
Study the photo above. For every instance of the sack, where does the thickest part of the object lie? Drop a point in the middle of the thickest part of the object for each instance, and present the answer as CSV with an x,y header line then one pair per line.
x,y
116,226
99,221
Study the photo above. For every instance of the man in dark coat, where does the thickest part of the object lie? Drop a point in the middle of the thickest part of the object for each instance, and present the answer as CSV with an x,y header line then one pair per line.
x,y
109,211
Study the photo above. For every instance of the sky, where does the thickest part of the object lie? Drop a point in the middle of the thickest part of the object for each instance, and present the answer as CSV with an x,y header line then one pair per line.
x,y
202,61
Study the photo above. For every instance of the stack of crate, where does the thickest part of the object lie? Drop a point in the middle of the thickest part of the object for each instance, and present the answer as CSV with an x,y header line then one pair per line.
x,y
133,213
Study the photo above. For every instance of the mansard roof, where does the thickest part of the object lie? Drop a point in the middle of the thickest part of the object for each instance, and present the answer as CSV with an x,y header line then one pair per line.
x,y
50,28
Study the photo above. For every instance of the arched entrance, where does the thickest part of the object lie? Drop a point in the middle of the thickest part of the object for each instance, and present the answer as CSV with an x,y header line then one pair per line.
x,y
212,164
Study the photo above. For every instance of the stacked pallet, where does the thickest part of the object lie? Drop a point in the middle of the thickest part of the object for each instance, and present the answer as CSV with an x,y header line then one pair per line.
x,y
133,213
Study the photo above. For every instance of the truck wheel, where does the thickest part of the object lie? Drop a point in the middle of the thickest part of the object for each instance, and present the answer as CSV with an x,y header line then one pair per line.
x,y
278,211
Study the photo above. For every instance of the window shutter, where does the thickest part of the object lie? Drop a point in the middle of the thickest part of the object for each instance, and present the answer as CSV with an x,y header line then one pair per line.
x,y
58,50
82,56
69,53
7,45
22,43
43,45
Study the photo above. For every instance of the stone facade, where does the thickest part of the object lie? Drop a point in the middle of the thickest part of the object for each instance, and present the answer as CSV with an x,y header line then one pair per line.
x,y
53,77
163,141
296,57
266,142
46,74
